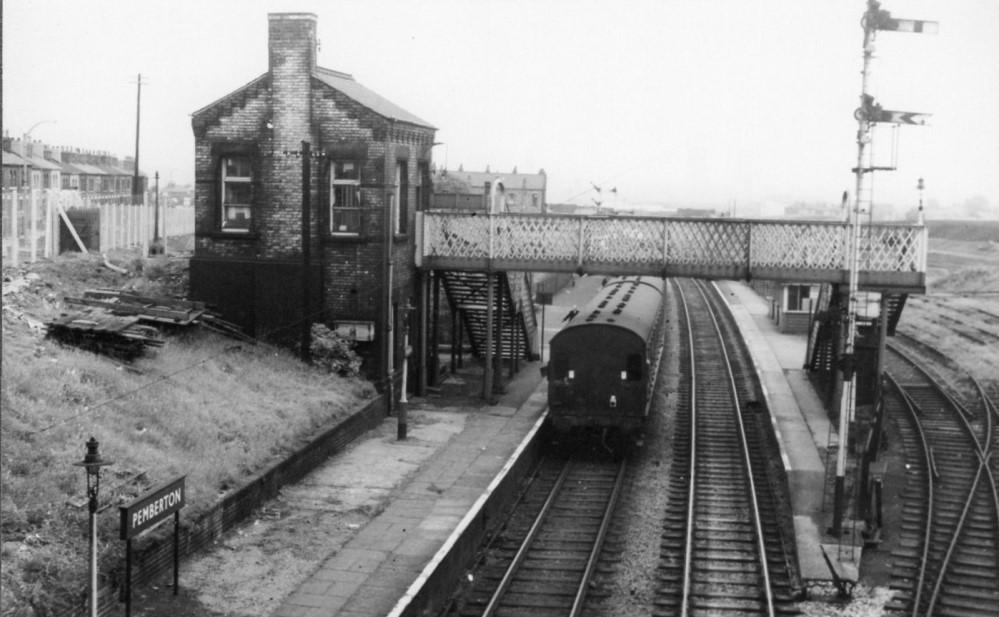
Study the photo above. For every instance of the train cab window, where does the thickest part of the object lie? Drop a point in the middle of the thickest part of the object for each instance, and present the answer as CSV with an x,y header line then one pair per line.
x,y
633,371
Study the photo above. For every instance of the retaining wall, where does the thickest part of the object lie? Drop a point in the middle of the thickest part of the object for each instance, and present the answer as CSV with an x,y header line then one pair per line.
x,y
152,555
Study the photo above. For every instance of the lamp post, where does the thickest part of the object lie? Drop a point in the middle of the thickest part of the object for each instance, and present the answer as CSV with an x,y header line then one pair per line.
x,y
92,464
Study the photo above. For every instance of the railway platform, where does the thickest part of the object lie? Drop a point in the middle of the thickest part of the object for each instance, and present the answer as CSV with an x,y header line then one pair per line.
x,y
387,558
805,435
373,573
369,574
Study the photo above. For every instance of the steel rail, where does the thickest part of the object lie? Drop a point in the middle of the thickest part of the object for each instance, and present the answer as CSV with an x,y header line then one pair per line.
x,y
747,461
983,466
686,598
992,412
688,548
930,475
983,454
591,563
504,584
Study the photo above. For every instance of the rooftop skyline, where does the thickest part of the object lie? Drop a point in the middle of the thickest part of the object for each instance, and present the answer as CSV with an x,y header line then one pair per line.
x,y
676,102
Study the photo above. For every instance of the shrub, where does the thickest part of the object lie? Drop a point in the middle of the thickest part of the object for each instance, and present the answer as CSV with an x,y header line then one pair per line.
x,y
333,352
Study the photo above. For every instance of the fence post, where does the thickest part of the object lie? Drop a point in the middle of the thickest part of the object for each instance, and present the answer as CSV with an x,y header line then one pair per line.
x,y
144,227
102,226
33,234
118,227
51,229
15,238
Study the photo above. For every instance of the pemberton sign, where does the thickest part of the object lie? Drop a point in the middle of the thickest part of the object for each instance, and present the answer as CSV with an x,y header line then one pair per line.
x,y
143,514
152,508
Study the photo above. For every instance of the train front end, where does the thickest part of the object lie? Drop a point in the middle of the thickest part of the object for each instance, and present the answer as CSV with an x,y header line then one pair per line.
x,y
604,361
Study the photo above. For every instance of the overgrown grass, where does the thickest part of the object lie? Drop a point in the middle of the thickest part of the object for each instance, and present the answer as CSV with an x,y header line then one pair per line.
x,y
202,406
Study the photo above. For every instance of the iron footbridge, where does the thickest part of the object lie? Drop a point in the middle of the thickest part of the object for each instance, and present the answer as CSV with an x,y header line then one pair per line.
x,y
892,256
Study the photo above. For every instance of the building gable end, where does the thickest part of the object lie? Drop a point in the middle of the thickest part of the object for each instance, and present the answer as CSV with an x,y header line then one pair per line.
x,y
210,115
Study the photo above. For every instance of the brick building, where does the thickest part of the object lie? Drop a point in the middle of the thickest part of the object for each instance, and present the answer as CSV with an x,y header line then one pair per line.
x,y
471,190
35,165
368,174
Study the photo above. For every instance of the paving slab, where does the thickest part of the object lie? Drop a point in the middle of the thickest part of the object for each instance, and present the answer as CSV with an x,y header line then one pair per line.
x,y
374,569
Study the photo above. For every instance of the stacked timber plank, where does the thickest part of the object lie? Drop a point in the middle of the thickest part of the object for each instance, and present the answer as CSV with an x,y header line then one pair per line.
x,y
120,337
123,324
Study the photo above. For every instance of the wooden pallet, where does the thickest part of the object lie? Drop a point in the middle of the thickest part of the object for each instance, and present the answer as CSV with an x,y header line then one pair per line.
x,y
113,335
146,308
123,324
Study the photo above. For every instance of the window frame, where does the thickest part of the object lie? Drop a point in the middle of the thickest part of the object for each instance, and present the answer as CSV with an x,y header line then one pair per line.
x,y
797,294
400,199
225,179
424,188
342,185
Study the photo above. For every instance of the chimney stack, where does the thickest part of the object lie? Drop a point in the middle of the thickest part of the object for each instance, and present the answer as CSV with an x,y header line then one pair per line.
x,y
292,60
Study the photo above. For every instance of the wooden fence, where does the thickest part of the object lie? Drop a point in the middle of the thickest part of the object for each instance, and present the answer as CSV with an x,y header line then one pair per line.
x,y
32,220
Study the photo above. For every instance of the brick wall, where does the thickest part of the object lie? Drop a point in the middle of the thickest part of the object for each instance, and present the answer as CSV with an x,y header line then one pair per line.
x,y
263,120
153,552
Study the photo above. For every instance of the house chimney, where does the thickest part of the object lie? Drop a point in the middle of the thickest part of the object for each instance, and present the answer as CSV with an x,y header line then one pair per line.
x,y
292,60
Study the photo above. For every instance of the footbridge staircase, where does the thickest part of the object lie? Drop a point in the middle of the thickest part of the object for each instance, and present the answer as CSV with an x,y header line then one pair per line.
x,y
515,328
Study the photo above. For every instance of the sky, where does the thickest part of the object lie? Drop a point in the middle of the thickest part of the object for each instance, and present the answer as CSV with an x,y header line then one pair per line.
x,y
676,102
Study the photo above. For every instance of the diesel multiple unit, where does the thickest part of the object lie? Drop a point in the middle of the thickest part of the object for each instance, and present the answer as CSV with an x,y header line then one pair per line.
x,y
605,360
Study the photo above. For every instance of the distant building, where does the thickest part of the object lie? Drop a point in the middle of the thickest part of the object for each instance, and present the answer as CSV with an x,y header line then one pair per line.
x,y
792,305
814,211
581,210
369,174
48,167
471,190
14,168
696,212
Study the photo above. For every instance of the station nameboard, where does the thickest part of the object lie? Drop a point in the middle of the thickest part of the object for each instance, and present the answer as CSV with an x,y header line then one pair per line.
x,y
152,508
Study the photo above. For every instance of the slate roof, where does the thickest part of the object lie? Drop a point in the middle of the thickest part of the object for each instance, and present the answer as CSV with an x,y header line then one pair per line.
x,y
70,168
9,158
90,169
40,163
372,100
341,82
116,171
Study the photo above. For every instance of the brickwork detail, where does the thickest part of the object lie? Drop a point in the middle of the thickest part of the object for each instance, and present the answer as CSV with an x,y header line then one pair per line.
x,y
268,119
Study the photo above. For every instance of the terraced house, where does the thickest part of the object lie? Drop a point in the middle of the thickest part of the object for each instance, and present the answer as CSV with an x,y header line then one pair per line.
x,y
348,262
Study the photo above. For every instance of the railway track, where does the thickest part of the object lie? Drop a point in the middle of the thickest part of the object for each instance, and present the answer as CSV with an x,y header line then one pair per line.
x,y
722,548
542,562
947,562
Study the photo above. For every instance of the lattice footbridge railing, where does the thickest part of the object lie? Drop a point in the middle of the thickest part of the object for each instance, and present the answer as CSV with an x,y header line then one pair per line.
x,y
891,255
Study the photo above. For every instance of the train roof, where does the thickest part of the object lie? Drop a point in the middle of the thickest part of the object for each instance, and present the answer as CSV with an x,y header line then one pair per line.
x,y
631,303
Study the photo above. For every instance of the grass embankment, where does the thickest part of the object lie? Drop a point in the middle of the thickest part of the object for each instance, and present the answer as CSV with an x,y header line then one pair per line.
x,y
204,406
959,314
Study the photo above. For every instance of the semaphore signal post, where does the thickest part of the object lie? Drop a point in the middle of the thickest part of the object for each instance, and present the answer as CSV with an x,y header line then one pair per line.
x,y
869,113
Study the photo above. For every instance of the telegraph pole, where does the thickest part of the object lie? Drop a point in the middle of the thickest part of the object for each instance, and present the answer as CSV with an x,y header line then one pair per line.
x,y
136,184
866,115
